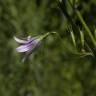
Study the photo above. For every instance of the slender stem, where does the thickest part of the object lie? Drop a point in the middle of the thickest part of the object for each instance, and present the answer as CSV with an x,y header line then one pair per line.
x,y
57,34
54,33
47,34
85,27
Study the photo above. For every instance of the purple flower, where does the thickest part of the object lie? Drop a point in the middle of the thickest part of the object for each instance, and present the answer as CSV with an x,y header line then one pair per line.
x,y
28,45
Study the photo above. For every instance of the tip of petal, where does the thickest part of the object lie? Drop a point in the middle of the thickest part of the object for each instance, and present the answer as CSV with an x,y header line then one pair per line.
x,y
19,40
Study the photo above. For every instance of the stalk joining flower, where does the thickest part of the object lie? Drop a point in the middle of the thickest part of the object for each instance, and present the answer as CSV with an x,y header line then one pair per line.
x,y
29,44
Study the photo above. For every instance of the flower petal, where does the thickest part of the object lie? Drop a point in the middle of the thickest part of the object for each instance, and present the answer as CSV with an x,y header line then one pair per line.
x,y
20,40
23,48
27,47
30,39
27,55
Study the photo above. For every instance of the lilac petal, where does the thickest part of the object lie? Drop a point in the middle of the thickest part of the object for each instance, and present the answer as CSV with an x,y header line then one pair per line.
x,y
30,39
27,55
23,48
20,40
27,46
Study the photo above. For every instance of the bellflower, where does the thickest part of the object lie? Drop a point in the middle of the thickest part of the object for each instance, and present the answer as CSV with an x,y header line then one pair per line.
x,y
28,45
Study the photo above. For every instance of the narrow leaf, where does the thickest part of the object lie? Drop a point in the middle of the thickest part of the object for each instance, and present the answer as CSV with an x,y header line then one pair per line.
x,y
82,38
73,37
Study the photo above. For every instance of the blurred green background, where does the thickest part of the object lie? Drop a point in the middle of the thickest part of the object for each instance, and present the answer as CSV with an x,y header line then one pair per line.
x,y
52,70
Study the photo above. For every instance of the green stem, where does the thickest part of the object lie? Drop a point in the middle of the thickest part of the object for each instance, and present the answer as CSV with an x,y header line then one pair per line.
x,y
49,33
85,27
